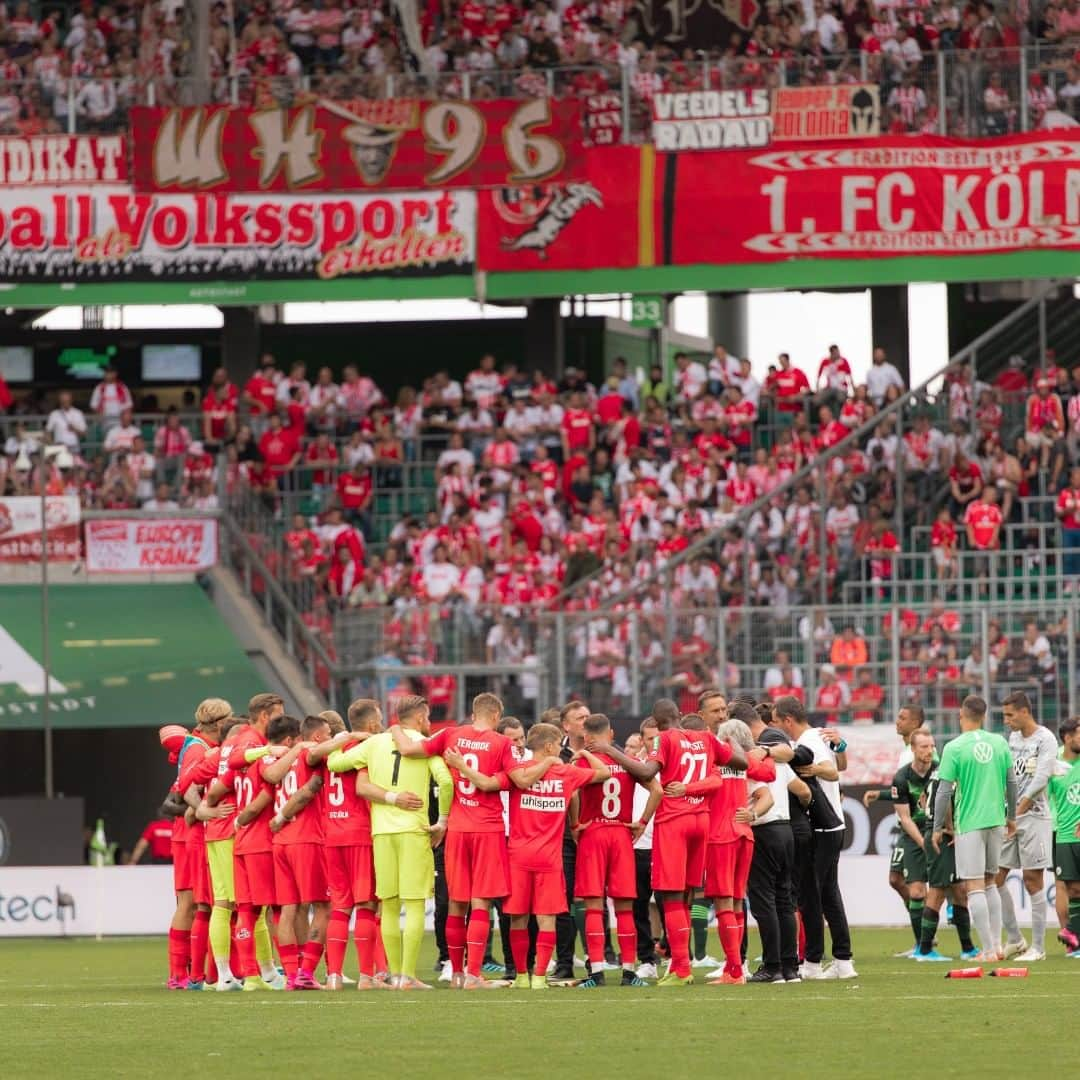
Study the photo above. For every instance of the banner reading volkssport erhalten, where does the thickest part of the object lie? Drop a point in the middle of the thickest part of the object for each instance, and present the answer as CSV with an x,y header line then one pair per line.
x,y
111,233
898,196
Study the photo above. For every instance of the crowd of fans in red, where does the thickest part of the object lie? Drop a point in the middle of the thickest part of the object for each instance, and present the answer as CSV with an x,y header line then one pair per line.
x,y
538,487
81,64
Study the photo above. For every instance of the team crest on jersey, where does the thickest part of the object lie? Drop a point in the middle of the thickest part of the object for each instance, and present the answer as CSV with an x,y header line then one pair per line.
x,y
983,752
1072,795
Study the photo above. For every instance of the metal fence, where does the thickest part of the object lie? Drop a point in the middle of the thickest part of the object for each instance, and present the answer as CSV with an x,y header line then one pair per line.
x,y
987,92
886,653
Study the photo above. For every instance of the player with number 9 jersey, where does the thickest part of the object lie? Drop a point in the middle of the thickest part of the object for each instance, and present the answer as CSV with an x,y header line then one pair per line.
x,y
299,863
476,857
681,830
605,853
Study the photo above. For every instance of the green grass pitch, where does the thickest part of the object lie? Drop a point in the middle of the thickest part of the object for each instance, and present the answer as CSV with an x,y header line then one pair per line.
x,y
73,1009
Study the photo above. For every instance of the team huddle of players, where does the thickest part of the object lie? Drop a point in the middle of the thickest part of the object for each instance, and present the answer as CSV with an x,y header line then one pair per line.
x,y
294,830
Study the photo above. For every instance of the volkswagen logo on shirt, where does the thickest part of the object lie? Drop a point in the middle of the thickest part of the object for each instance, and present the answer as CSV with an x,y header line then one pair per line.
x,y
983,752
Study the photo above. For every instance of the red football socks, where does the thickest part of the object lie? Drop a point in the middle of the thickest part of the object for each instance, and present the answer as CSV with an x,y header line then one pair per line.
x,y
310,955
519,949
200,939
594,936
337,941
290,958
455,941
364,934
727,927
477,938
740,920
626,932
247,965
545,946
179,953
677,921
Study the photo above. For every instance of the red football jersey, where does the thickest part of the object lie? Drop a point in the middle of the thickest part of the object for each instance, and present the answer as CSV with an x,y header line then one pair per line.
x,y
733,793
348,815
307,826
685,757
487,752
609,803
247,785
538,816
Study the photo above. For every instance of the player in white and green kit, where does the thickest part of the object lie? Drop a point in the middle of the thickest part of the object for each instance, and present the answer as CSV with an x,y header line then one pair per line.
x,y
976,777
1030,850
1064,790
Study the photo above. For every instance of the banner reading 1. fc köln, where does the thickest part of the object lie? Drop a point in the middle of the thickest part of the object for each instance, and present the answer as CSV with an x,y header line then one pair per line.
x,y
110,233
327,145
895,196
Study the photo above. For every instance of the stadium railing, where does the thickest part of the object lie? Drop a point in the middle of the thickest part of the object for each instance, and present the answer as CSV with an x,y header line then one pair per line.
x,y
620,662
953,85
1025,331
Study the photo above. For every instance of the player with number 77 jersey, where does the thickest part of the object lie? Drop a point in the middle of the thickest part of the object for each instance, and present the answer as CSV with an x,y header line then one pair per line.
x,y
683,755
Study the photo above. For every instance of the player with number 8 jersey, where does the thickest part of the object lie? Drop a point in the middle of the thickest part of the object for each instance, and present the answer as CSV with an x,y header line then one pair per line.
x,y
605,864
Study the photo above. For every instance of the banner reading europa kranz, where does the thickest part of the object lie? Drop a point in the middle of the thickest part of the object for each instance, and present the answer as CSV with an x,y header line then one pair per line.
x,y
328,145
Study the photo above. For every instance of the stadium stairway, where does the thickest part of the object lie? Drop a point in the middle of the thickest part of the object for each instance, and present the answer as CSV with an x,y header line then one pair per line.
x,y
261,644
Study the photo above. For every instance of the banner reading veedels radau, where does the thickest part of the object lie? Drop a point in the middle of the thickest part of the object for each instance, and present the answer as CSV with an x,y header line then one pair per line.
x,y
112,233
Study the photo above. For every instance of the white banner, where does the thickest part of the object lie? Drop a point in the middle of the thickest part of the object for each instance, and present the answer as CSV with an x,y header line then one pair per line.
x,y
84,901
114,233
20,528
163,545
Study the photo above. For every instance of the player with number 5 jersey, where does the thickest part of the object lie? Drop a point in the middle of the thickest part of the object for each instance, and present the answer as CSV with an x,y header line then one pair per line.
x,y
477,866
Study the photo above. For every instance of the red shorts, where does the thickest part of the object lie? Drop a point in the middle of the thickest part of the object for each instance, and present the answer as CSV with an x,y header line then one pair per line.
x,y
678,853
536,892
350,875
253,878
181,866
727,868
199,869
605,863
477,866
300,874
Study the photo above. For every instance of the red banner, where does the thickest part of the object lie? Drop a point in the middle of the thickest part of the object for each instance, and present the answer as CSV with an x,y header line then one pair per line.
x,y
357,145
895,196
20,528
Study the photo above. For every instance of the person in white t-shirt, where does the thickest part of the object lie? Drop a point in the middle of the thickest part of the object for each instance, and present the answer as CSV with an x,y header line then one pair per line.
x,y
881,376
66,424
123,436
820,899
111,397
440,576
691,377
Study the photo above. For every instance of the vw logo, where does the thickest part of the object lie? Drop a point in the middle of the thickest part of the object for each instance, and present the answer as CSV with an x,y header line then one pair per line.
x,y
983,752
1072,796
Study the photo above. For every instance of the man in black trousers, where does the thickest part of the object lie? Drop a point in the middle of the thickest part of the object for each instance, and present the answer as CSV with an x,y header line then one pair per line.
x,y
771,887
